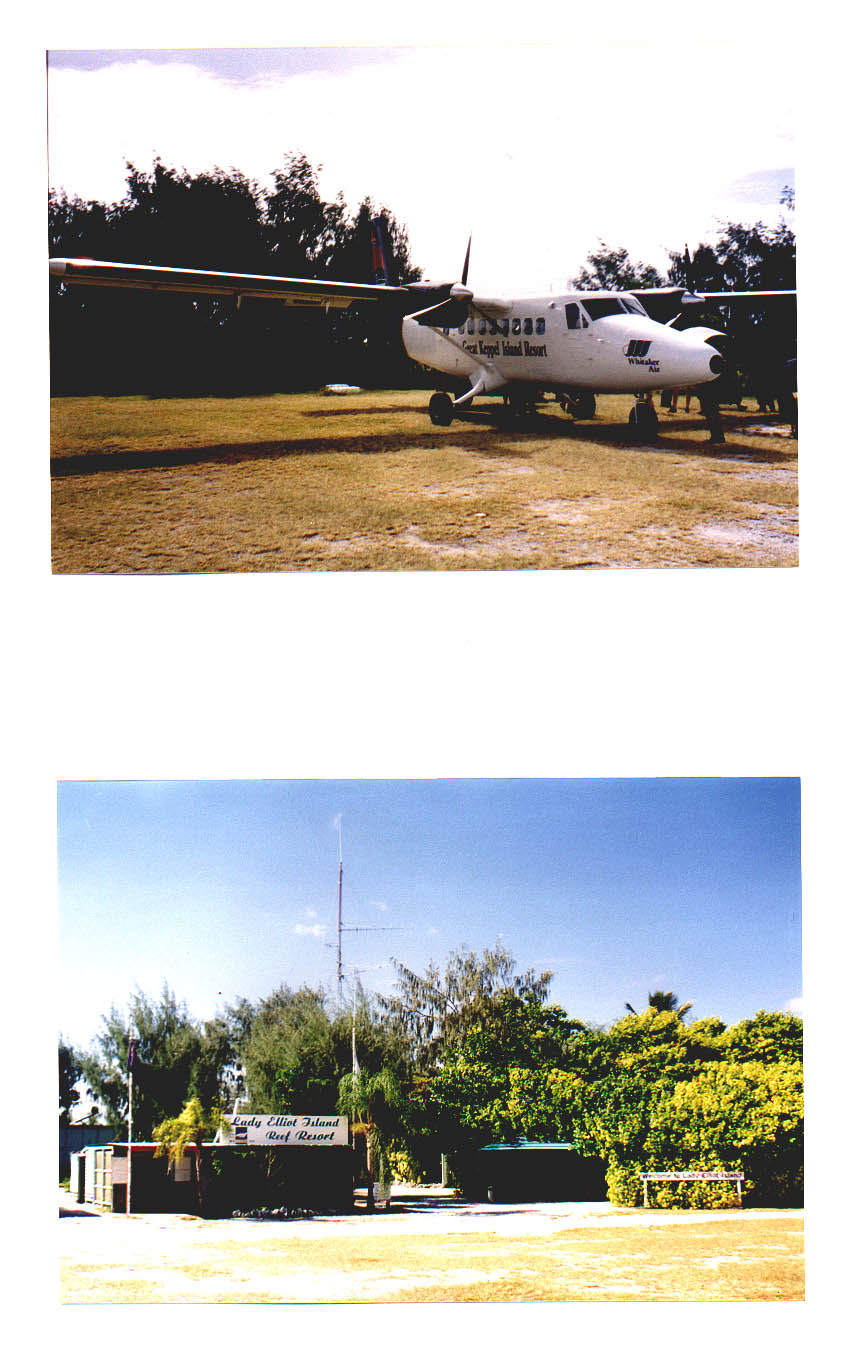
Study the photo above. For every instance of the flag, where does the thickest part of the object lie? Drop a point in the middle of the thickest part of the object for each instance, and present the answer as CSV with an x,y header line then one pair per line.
x,y
130,1062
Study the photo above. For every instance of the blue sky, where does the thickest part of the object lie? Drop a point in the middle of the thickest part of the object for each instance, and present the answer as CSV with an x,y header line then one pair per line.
x,y
540,149
620,887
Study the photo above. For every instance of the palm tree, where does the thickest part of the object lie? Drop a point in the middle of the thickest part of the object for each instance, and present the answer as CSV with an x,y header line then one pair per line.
x,y
663,1001
374,1102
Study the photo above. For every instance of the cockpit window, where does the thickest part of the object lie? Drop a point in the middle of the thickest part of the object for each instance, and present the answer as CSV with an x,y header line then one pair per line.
x,y
572,314
603,305
634,306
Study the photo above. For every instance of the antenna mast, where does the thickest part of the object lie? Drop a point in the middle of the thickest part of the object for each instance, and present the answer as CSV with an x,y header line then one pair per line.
x,y
339,923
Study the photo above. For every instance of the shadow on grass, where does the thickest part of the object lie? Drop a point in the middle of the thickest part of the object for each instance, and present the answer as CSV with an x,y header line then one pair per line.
x,y
381,409
476,432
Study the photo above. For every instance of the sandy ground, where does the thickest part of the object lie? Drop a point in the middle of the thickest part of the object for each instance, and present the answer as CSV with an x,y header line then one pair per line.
x,y
424,1211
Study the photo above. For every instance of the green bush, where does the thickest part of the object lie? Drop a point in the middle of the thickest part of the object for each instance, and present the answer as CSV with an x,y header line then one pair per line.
x,y
623,1184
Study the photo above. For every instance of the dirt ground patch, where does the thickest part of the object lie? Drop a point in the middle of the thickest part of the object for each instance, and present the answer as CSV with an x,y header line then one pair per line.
x,y
456,1255
285,483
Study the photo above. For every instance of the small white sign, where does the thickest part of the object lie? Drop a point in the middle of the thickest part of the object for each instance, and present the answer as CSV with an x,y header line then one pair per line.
x,y
692,1176
292,1131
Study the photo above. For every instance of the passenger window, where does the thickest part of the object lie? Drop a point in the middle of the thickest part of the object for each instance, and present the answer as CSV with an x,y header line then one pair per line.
x,y
446,331
493,327
539,326
528,327
461,328
471,328
516,327
505,327
482,328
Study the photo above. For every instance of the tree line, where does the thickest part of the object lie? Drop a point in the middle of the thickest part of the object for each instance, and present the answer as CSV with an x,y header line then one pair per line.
x,y
468,1054
117,341
762,340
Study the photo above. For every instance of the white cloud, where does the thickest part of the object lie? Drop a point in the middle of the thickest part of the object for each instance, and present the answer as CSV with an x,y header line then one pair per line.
x,y
795,1005
539,150
317,930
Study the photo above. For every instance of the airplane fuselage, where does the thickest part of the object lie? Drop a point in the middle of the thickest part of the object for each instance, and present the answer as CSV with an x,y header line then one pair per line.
x,y
593,340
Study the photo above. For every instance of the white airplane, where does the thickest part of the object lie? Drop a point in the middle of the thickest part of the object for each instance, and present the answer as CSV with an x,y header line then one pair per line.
x,y
572,345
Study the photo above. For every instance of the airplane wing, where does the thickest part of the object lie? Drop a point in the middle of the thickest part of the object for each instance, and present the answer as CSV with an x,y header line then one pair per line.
x,y
432,303
662,302
289,290
728,297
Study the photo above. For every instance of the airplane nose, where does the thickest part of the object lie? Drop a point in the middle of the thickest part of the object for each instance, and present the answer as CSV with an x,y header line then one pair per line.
x,y
718,362
710,351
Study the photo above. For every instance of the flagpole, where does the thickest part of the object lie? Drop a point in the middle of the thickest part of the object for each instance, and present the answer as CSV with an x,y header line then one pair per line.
x,y
339,922
131,1065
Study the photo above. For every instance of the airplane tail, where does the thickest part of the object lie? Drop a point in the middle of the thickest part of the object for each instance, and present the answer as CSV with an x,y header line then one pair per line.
x,y
383,259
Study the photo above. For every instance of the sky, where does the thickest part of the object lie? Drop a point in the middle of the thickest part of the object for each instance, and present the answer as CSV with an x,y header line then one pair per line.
x,y
222,889
538,150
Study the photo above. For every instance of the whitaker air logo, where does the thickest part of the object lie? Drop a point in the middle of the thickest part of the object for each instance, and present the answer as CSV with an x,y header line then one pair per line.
x,y
636,351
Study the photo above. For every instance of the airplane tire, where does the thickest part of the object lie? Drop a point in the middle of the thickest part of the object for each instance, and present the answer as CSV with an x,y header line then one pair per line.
x,y
441,410
584,407
644,422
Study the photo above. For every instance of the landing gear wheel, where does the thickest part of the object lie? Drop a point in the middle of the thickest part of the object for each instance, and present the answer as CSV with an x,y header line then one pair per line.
x,y
441,410
580,406
519,406
583,407
644,422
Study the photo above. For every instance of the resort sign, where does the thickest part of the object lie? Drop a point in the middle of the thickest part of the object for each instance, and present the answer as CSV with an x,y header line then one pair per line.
x,y
289,1130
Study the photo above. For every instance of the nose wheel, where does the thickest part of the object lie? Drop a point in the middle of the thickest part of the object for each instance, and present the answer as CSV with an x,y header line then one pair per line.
x,y
440,410
643,419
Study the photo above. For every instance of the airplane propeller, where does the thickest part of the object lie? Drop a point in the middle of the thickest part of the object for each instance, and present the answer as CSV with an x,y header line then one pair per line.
x,y
465,264
690,299
453,309
680,299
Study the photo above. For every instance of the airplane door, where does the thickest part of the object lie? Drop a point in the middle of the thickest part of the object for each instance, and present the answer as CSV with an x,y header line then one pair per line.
x,y
577,343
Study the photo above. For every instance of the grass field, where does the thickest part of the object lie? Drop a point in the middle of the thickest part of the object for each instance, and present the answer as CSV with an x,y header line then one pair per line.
x,y
749,1257
365,482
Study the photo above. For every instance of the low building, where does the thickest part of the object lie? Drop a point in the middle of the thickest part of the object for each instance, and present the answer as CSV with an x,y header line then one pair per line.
x,y
73,1138
273,1162
531,1170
